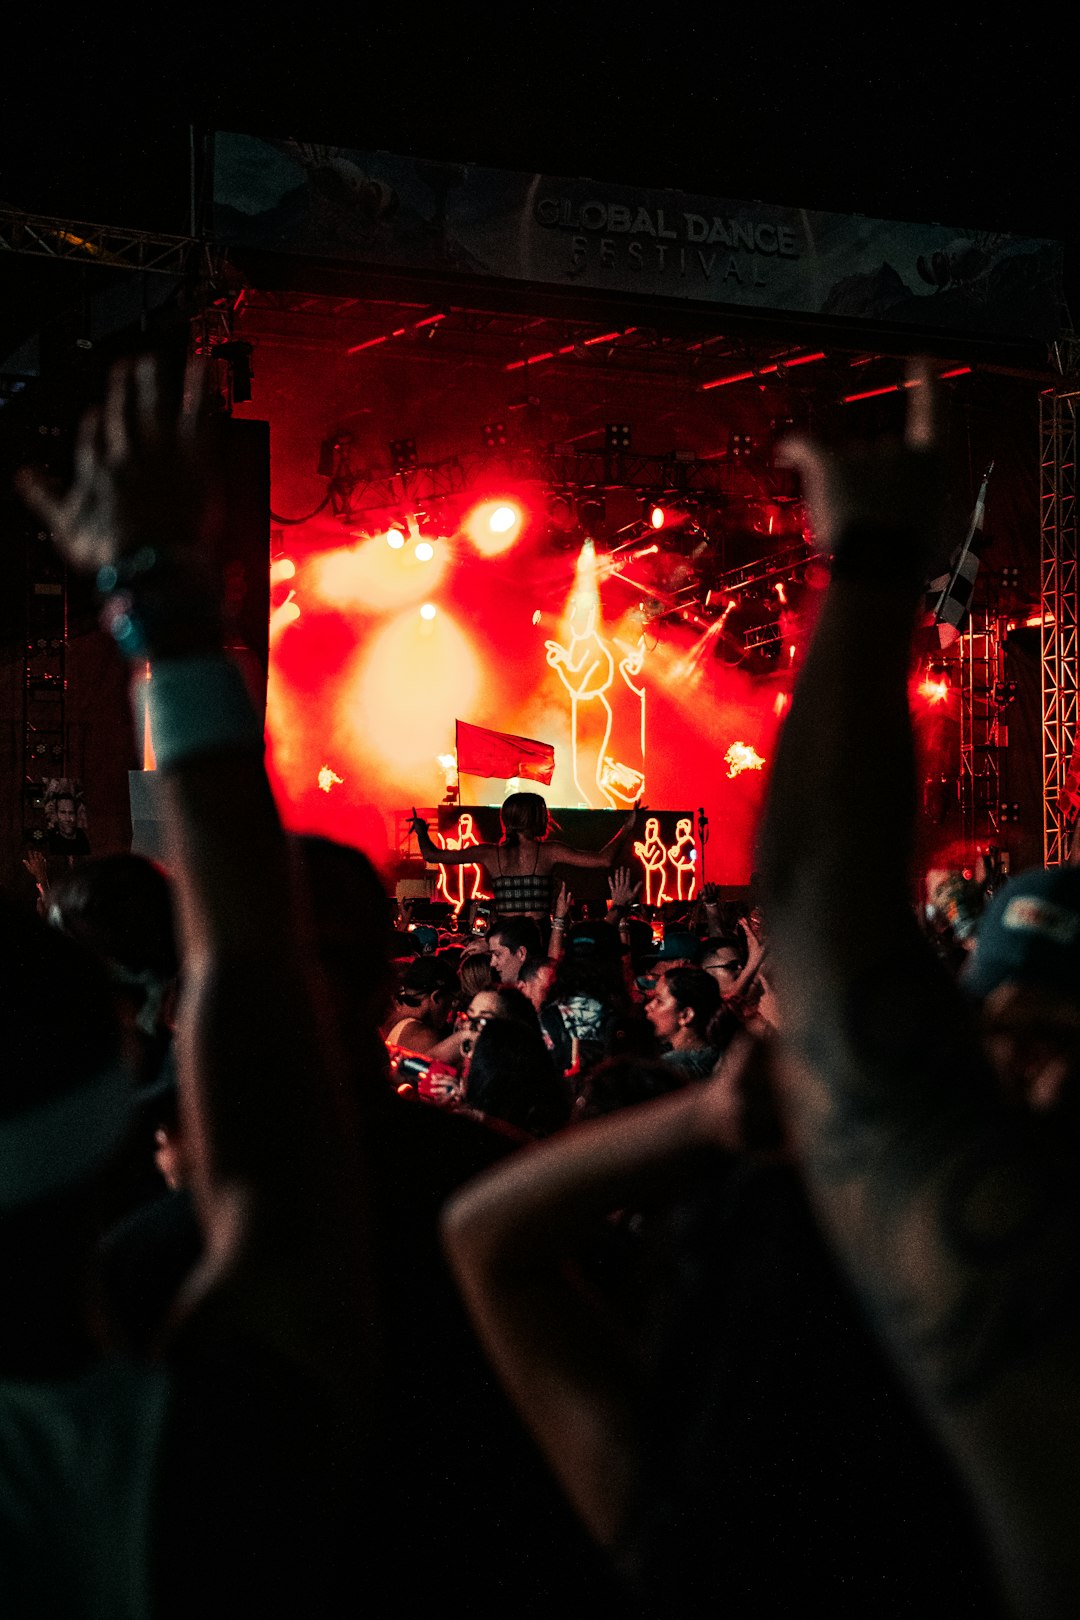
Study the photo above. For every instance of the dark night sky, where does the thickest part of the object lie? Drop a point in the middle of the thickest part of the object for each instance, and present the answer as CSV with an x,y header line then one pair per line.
x,y
962,127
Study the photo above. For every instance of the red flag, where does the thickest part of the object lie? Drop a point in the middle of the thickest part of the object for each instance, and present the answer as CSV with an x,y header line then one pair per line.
x,y
497,753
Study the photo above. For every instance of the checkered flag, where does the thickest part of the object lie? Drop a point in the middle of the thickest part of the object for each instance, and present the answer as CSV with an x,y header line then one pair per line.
x,y
948,597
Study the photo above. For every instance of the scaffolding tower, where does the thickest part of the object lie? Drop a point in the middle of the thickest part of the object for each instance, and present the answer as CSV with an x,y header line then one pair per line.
x,y
1058,603
982,679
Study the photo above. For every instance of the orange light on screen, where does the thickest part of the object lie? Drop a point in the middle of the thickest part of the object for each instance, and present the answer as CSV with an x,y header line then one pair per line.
x,y
494,526
742,757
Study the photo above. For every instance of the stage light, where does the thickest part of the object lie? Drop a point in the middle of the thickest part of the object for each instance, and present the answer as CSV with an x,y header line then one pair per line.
x,y
494,526
503,519
402,454
617,435
424,552
536,617
935,689
561,514
282,568
657,517
494,435
395,539
327,778
428,610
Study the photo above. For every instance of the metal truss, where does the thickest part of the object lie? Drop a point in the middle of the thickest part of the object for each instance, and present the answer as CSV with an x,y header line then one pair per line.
x,y
1058,598
44,671
108,246
982,674
777,565
354,492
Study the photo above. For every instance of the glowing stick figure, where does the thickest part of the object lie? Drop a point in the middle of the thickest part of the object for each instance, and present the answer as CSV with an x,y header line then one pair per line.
x,y
653,856
587,669
683,857
627,782
466,835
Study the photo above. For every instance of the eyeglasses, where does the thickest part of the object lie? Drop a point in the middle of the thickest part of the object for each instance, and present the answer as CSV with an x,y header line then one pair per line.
x,y
475,1021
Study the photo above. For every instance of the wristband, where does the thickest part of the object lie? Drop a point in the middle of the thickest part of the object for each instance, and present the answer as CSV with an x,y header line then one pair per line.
x,y
159,604
200,706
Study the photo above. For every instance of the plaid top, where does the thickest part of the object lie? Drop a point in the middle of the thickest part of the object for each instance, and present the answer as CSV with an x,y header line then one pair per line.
x,y
524,891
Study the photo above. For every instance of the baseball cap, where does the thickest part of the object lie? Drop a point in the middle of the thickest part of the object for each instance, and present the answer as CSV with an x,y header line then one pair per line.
x,y
426,974
1030,934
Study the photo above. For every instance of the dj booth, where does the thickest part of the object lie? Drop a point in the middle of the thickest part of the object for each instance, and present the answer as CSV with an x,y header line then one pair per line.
x,y
661,851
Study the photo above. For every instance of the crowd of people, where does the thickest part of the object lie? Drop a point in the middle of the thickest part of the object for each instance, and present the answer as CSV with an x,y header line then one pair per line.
x,y
715,1261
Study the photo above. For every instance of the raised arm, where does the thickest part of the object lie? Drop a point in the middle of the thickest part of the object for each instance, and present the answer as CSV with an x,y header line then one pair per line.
x,y
957,1221
275,1144
596,860
513,1237
435,855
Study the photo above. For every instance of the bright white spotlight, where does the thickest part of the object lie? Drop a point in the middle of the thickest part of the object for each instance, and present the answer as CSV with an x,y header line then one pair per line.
x,y
502,520
428,610
657,517
425,551
395,539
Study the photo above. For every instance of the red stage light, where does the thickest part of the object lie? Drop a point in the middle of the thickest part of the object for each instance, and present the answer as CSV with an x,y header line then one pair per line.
x,y
494,526
934,690
282,568
503,519
657,517
425,551
395,539
428,610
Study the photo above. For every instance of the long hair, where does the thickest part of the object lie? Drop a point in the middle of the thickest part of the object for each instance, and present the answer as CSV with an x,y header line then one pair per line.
x,y
512,1077
524,814
694,988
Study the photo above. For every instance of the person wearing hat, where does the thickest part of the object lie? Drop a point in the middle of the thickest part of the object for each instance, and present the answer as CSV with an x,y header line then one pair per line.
x,y
422,1004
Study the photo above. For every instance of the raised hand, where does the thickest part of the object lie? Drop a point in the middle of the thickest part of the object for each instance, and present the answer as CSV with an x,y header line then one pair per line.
x,y
892,485
564,902
37,866
624,891
139,471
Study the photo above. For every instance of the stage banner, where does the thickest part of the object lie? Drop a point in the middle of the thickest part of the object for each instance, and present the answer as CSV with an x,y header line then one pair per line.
x,y
406,214
500,754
